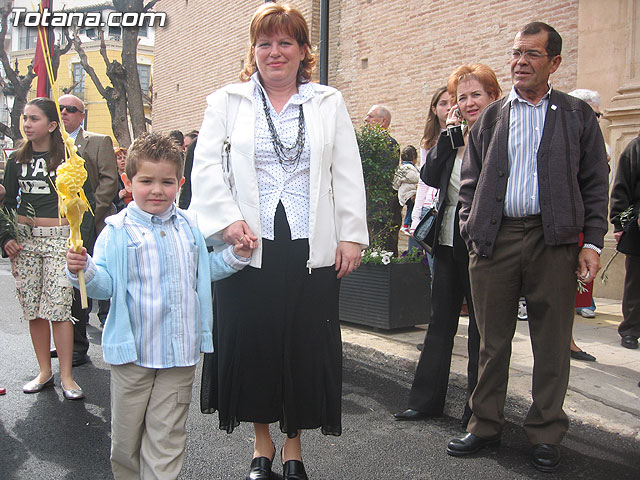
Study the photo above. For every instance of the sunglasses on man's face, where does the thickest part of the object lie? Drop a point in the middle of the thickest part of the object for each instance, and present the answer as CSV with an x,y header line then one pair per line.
x,y
69,108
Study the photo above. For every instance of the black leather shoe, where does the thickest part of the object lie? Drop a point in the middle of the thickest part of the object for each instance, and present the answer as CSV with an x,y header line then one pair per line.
x,y
582,355
546,457
79,359
629,342
294,470
260,469
470,444
410,414
54,353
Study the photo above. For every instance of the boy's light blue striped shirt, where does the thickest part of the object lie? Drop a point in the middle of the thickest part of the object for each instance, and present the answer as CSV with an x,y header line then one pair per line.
x,y
161,290
526,124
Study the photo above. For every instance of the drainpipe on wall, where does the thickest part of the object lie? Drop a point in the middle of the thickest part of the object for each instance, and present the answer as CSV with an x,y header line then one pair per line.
x,y
324,42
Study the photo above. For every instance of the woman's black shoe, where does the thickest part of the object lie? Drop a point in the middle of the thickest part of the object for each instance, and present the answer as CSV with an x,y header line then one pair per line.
x,y
260,469
294,470
582,355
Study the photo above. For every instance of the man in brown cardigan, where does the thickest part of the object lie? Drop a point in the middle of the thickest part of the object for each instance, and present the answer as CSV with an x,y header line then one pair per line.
x,y
534,176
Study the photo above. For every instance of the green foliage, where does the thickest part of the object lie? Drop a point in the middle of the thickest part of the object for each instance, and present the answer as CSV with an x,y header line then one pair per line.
x,y
626,217
9,220
380,157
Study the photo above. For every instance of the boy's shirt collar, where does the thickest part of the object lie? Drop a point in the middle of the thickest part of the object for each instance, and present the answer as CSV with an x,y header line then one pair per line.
x,y
147,218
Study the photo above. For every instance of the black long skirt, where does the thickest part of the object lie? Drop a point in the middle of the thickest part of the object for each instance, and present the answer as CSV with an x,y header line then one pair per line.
x,y
278,350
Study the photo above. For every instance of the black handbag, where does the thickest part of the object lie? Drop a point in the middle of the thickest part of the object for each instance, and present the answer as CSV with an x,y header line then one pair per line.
x,y
425,232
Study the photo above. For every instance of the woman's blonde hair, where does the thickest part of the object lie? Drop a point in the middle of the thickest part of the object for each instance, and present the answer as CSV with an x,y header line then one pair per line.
x,y
483,73
273,18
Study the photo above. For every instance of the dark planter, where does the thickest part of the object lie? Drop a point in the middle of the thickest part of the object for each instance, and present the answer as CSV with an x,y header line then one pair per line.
x,y
386,296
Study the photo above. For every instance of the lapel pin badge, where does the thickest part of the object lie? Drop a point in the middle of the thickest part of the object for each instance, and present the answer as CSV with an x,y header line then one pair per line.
x,y
553,107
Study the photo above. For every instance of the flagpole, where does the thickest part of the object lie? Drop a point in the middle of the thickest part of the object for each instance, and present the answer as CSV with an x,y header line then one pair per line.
x,y
51,36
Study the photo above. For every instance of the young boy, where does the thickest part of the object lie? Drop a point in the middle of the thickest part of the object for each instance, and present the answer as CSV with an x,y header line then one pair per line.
x,y
151,260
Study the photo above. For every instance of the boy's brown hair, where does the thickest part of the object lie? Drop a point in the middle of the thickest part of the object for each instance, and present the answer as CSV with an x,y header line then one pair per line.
x,y
153,147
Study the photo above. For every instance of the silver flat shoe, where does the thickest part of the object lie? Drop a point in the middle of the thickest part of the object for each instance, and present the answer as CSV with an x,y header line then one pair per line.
x,y
73,393
34,387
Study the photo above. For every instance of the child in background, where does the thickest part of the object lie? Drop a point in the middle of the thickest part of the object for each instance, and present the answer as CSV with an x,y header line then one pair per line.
x,y
123,196
35,240
405,181
151,260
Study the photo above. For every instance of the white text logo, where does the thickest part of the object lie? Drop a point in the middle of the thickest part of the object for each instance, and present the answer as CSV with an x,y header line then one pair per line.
x,y
87,19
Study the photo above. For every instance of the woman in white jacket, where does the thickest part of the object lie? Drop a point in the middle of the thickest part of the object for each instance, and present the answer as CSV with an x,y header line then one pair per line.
x,y
277,160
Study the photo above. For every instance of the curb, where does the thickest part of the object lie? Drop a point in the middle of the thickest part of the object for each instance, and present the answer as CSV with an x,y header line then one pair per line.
x,y
579,407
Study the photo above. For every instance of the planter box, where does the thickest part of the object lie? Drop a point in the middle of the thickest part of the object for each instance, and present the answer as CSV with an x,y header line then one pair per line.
x,y
386,296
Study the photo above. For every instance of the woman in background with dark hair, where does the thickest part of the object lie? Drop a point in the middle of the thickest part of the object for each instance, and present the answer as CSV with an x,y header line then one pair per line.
x,y
473,87
426,196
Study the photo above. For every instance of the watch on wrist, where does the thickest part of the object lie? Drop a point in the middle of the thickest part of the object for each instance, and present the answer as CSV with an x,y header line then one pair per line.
x,y
591,246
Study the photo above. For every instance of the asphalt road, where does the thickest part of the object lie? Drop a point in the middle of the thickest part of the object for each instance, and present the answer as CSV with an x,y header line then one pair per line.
x,y
45,437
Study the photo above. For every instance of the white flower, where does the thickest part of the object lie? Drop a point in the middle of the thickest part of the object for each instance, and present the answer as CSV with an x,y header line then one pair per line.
x,y
386,260
375,254
362,253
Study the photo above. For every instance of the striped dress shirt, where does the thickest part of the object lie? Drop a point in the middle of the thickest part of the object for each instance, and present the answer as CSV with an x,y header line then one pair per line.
x,y
161,289
526,124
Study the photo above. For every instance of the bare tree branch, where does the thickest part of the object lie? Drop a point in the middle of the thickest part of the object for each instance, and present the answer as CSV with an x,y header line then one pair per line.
x,y
70,89
84,61
149,5
21,84
115,95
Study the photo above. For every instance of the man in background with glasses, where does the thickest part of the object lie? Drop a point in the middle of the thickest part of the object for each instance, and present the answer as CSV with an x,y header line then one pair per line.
x,y
100,163
534,176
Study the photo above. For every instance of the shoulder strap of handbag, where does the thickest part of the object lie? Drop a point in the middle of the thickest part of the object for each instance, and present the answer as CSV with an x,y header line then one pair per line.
x,y
233,104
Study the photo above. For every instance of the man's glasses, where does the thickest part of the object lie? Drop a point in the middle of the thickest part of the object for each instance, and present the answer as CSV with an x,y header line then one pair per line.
x,y
598,115
69,108
528,55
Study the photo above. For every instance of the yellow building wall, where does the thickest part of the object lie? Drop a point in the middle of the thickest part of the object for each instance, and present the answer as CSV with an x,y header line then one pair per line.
x,y
98,119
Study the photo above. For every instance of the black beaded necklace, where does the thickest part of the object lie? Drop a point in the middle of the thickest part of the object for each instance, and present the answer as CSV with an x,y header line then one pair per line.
x,y
281,150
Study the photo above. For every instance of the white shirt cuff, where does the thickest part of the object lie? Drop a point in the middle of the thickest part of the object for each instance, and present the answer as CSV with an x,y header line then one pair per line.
x,y
89,272
234,261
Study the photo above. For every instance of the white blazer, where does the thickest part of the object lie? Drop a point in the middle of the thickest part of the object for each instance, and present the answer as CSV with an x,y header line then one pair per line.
x,y
337,210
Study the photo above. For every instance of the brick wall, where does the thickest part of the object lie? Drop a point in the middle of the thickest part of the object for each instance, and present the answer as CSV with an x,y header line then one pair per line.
x,y
202,48
395,52
412,46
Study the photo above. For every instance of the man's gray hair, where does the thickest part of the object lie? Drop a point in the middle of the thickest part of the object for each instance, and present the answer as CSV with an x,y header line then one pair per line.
x,y
383,111
590,96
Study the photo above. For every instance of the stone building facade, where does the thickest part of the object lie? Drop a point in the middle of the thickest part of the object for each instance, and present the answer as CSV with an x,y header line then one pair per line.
x,y
398,52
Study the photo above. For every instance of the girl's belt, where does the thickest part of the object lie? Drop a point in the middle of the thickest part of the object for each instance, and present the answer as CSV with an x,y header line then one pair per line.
x,y
57,231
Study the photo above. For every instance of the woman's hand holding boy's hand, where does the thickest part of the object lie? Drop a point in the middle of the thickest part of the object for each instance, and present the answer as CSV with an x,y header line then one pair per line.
x,y
12,248
76,261
245,245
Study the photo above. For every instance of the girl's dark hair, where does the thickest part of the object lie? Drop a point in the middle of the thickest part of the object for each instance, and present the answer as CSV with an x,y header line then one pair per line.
x,y
432,126
409,154
56,147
